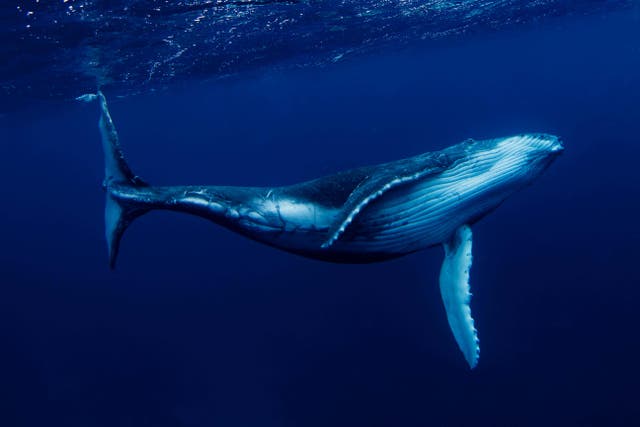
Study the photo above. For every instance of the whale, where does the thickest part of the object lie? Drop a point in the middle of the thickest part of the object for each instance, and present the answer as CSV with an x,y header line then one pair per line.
x,y
363,215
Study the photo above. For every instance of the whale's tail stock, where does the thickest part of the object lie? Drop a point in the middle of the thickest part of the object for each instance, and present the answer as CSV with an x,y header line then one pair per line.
x,y
119,212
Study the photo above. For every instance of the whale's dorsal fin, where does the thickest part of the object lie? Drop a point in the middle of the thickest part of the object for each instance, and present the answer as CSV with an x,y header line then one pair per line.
x,y
381,180
455,291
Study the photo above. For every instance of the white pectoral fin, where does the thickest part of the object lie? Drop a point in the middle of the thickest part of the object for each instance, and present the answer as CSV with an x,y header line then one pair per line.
x,y
456,295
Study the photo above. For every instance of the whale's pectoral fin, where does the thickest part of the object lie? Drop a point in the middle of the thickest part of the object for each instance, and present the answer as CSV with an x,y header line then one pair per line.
x,y
455,291
383,180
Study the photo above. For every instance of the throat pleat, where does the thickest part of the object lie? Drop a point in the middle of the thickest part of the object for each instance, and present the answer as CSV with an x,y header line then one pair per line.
x,y
427,212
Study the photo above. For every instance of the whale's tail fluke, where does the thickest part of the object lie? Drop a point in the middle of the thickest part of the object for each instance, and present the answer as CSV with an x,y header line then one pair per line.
x,y
118,213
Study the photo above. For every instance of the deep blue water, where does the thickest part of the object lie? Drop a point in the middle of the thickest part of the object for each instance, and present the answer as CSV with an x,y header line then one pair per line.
x,y
201,327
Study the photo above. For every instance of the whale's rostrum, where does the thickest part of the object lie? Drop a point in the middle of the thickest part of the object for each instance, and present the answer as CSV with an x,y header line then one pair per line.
x,y
369,214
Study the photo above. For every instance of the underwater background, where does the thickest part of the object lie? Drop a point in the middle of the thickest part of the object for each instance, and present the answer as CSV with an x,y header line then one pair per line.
x,y
201,327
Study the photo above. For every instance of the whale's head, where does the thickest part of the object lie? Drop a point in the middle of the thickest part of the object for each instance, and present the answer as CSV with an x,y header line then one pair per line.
x,y
491,170
537,146
514,161
523,158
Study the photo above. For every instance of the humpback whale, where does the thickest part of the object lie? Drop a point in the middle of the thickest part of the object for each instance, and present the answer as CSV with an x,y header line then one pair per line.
x,y
363,215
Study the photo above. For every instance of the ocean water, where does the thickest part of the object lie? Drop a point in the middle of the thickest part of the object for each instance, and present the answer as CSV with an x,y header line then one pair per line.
x,y
201,327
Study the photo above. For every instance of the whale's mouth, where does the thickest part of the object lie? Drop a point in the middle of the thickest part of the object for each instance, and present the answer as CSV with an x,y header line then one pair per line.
x,y
545,142
544,145
553,147
557,147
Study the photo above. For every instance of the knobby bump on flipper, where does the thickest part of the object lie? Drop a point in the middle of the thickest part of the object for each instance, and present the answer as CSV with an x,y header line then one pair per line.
x,y
456,295
382,180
